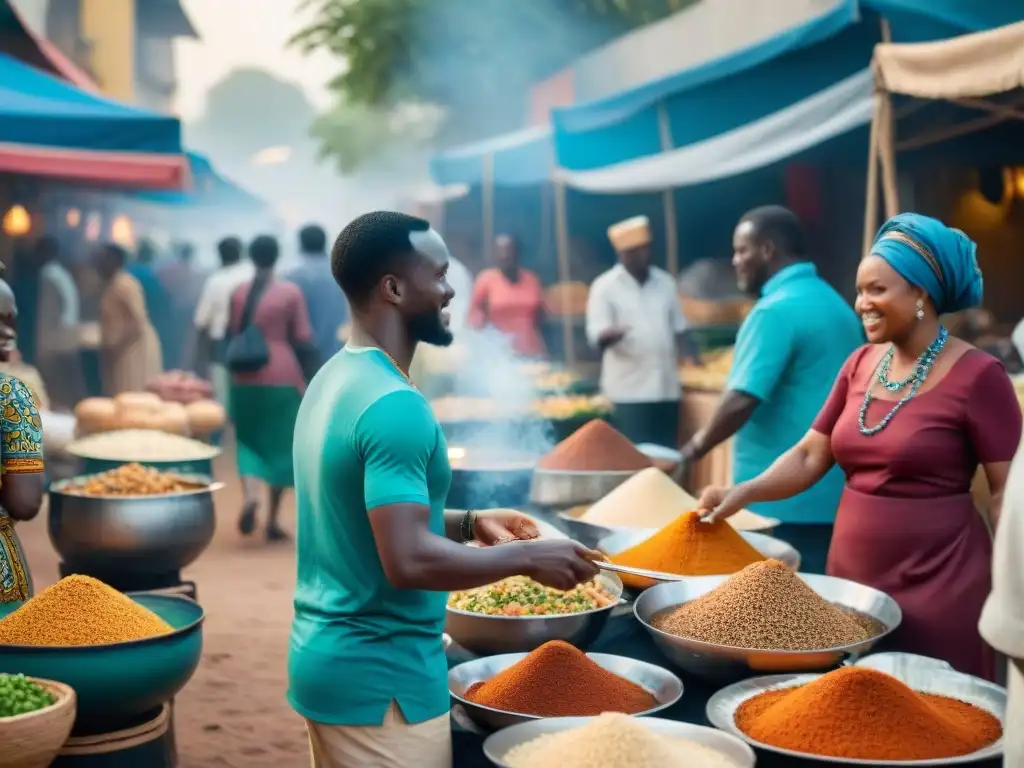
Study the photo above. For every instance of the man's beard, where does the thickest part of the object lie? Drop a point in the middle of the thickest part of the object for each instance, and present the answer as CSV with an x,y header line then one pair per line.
x,y
429,328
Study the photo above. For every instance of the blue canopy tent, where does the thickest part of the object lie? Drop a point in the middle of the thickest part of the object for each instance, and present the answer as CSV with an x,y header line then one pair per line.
x,y
208,190
49,127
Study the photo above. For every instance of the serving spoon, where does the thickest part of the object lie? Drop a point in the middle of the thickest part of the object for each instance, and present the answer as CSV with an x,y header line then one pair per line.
x,y
643,573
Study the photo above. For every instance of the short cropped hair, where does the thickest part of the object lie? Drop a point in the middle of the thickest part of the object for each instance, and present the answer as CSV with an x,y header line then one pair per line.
x,y
230,251
781,226
371,246
312,239
117,254
263,251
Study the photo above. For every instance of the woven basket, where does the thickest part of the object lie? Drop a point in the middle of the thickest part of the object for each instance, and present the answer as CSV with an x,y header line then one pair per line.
x,y
33,740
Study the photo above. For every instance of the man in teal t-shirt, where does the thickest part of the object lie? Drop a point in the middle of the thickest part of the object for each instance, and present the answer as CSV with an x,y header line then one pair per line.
x,y
376,550
788,352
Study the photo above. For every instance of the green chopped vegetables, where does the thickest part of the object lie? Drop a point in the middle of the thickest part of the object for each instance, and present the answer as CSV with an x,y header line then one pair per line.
x,y
522,596
19,696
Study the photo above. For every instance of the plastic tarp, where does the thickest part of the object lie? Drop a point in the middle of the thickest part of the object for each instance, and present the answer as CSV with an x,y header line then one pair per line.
x,y
743,86
812,121
521,158
50,128
208,189
41,110
978,65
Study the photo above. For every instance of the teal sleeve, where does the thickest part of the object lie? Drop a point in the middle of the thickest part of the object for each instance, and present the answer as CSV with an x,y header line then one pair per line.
x,y
395,437
762,352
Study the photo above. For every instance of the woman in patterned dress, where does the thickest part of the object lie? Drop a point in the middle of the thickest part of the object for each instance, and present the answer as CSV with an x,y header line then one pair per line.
x,y
21,460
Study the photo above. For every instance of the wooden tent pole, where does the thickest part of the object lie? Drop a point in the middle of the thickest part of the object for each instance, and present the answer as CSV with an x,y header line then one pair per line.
x,y
564,270
668,198
871,197
887,147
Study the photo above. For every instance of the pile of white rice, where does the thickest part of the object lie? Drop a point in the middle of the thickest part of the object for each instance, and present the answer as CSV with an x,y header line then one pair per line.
x,y
614,740
141,445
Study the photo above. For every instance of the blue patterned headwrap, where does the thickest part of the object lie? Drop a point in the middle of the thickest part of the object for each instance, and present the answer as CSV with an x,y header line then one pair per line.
x,y
941,260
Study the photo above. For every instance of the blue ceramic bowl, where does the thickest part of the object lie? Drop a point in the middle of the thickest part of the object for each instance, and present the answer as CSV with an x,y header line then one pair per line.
x,y
117,682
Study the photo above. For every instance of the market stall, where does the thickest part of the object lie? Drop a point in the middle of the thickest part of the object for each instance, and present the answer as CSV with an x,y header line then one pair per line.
x,y
716,608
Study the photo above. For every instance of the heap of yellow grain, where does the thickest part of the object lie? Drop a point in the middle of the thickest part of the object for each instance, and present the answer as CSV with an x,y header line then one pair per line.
x,y
80,610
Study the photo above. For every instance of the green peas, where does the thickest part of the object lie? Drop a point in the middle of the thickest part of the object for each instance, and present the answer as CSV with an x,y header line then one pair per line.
x,y
19,696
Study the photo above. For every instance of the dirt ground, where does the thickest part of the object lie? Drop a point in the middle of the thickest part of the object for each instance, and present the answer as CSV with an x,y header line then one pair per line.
x,y
233,712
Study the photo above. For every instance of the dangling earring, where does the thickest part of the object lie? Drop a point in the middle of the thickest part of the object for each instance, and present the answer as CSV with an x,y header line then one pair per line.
x,y
920,309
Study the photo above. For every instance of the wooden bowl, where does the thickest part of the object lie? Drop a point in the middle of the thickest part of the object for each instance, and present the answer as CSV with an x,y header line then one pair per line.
x,y
34,739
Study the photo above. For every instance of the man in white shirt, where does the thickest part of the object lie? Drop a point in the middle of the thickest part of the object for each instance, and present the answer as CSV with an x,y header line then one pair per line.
x,y
58,315
213,313
1002,621
634,319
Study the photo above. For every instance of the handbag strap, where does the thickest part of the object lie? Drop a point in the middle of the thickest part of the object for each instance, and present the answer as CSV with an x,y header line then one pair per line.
x,y
252,301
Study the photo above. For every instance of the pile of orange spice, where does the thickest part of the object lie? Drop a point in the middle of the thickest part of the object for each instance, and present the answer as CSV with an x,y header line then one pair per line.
x,y
856,713
689,547
558,680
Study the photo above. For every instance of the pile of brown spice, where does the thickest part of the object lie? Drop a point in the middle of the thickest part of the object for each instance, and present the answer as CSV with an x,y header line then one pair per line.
x,y
856,713
688,547
80,610
558,680
595,447
765,606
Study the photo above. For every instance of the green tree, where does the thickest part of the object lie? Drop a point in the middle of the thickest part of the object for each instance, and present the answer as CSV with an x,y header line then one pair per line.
x,y
475,58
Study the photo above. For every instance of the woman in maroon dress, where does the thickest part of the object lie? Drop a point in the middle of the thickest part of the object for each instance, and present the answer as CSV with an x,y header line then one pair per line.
x,y
910,418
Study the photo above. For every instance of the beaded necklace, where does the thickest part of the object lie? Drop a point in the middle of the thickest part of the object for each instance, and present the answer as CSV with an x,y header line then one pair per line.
x,y
915,380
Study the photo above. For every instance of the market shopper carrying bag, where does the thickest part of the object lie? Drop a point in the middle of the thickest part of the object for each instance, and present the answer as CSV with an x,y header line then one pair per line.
x,y
910,417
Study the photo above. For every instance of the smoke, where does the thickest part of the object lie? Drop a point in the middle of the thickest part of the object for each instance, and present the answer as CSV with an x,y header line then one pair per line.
x,y
491,369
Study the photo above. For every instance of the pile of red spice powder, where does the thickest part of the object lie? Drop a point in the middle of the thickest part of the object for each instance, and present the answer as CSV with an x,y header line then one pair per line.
x,y
558,680
863,714
595,447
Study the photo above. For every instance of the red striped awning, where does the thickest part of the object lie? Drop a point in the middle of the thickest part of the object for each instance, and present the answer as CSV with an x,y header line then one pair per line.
x,y
121,169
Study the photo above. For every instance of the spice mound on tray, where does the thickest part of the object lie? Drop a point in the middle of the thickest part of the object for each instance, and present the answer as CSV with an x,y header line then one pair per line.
x,y
765,606
595,447
650,499
688,547
558,680
863,714
80,610
613,740
131,480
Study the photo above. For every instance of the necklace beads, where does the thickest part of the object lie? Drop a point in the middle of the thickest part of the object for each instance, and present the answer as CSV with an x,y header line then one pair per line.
x,y
914,381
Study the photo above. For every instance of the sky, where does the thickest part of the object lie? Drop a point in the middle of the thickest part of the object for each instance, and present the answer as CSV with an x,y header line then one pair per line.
x,y
237,33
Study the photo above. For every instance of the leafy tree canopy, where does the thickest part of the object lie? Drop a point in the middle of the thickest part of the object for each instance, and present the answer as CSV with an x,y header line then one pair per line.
x,y
475,58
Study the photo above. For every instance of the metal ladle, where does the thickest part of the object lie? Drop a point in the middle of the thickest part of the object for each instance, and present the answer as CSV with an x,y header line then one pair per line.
x,y
643,573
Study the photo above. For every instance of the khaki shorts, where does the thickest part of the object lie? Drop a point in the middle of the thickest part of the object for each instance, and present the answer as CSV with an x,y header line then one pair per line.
x,y
392,744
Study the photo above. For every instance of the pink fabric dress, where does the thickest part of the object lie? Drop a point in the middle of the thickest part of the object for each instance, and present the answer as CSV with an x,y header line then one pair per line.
x,y
512,308
906,523
282,316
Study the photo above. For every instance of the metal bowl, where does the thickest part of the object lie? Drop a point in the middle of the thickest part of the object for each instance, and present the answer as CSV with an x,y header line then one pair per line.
x,y
585,533
770,547
131,534
719,661
499,744
484,635
927,677
560,489
666,688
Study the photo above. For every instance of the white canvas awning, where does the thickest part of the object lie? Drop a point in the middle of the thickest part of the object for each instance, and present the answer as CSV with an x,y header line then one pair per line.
x,y
970,66
832,112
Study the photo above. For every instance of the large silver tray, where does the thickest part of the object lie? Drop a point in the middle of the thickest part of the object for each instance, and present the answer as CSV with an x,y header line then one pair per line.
x,y
560,489
725,662
920,673
767,545
481,634
665,686
499,744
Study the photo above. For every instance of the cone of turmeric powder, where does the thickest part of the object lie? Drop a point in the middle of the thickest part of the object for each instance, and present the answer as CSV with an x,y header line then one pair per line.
x,y
689,547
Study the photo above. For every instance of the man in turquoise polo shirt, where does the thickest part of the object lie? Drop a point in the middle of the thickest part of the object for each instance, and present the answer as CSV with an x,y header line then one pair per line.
x,y
787,355
376,550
